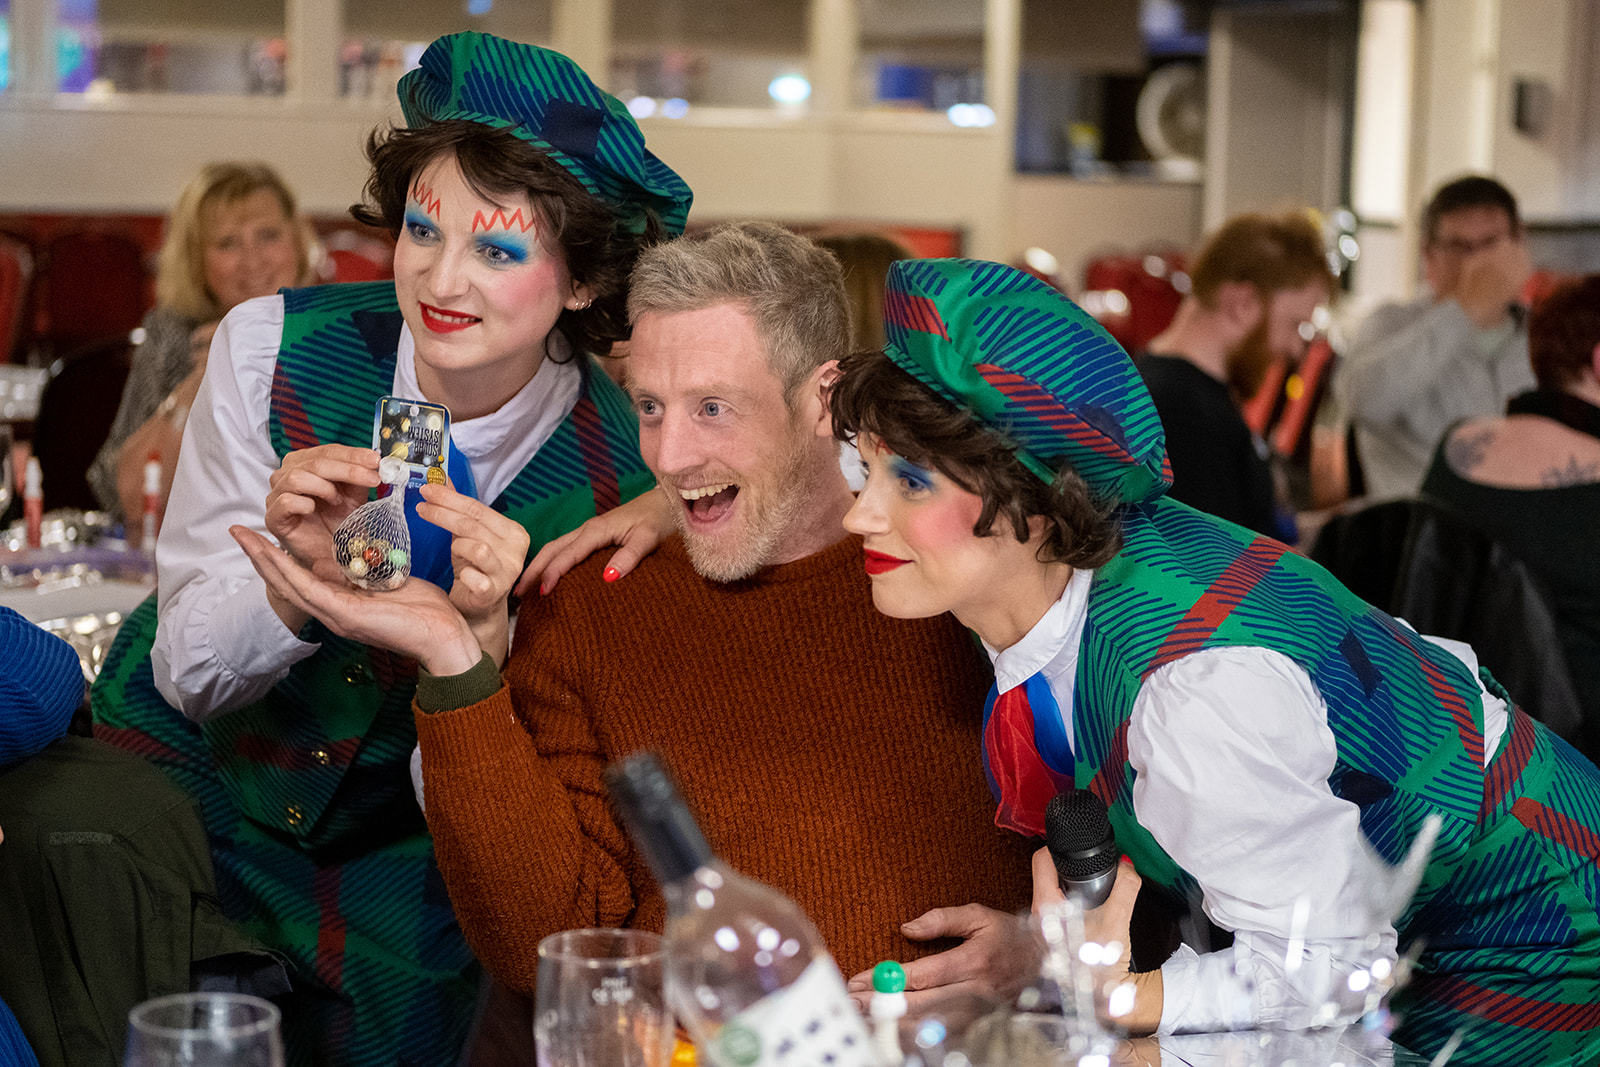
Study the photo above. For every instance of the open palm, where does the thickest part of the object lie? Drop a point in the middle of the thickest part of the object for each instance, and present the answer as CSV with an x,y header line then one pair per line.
x,y
417,620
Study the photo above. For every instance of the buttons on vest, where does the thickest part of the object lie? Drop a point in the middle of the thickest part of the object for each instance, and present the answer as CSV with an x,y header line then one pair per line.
x,y
294,815
357,674
320,757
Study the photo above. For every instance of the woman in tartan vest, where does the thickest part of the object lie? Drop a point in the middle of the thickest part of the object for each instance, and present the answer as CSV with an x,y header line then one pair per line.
x,y
520,195
1266,744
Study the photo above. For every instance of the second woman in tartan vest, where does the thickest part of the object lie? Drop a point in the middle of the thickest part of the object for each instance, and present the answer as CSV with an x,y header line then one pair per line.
x,y
1266,743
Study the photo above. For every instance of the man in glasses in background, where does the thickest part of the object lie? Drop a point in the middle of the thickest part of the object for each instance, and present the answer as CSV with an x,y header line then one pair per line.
x,y
1415,369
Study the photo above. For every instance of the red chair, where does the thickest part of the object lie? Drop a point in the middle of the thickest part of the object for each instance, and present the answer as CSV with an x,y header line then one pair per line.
x,y
356,257
1134,295
16,272
92,287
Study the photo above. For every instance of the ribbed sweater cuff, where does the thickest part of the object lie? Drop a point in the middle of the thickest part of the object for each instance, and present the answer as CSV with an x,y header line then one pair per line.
x,y
451,691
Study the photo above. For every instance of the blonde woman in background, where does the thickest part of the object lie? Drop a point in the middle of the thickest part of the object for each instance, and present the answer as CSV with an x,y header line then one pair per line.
x,y
234,234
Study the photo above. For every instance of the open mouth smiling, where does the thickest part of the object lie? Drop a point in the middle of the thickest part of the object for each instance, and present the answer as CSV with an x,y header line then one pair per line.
x,y
708,503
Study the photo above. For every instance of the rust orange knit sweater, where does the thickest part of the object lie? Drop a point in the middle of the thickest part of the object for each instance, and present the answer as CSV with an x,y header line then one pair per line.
x,y
827,750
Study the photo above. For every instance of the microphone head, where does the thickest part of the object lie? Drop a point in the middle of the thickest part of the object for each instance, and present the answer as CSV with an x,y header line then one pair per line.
x,y
1078,833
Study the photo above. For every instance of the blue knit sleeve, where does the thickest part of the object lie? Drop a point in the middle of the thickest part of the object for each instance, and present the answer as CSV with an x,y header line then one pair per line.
x,y
41,684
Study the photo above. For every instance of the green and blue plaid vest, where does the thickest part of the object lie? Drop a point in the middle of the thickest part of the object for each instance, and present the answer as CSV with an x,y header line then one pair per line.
x,y
323,758
1406,715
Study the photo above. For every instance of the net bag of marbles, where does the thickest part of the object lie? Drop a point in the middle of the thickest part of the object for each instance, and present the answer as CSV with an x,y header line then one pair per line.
x,y
372,546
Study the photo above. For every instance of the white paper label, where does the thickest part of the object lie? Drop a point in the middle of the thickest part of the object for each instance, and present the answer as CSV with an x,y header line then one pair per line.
x,y
811,1022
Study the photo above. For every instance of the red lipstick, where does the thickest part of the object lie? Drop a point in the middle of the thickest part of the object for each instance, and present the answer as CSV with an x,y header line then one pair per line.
x,y
439,320
879,563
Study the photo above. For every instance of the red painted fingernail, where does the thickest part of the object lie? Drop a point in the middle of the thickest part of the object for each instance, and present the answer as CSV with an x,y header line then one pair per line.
x,y
611,574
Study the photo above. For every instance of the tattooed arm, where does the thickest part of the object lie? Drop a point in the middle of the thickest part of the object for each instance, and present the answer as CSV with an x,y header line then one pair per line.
x,y
1571,470
1466,448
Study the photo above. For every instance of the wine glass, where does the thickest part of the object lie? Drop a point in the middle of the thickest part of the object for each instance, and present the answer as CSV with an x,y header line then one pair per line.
x,y
601,1000
204,1030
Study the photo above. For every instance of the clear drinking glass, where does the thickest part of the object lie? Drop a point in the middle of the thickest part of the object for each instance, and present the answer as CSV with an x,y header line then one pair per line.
x,y
204,1030
602,1001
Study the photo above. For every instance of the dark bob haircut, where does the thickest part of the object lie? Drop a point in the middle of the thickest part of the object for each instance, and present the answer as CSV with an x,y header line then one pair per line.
x,y
498,164
872,396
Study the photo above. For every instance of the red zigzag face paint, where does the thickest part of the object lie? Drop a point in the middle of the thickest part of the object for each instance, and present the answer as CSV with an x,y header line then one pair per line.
x,y
479,289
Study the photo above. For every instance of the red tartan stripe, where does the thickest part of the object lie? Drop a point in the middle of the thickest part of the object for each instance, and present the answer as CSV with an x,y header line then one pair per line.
x,y
1466,729
139,743
1033,399
329,965
1218,602
1509,1009
914,313
272,752
291,413
1108,779
596,455
1562,829
1504,771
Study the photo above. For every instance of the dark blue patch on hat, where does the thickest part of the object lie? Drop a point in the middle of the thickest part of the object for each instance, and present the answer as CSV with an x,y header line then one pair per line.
x,y
573,128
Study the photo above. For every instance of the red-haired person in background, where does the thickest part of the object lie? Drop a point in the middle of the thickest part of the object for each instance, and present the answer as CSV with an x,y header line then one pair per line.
x,y
1256,281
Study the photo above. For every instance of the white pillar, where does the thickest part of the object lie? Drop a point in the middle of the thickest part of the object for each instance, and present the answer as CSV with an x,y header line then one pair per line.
x,y
581,30
833,34
1002,48
314,32
1384,149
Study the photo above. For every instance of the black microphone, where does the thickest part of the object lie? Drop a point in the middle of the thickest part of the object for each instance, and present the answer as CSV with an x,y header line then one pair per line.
x,y
1078,835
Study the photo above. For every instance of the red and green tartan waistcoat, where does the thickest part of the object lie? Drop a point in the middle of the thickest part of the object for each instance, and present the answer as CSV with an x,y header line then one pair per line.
x,y
1406,715
324,757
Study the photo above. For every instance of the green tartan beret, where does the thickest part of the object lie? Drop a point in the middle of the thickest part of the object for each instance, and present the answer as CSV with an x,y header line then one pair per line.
x,y
1031,364
547,100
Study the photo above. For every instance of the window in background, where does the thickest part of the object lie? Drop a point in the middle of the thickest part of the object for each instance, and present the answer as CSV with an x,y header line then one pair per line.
x,y
384,39
5,45
670,55
923,55
175,46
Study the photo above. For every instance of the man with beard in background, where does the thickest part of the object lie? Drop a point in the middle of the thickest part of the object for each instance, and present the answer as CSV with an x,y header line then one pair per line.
x,y
1255,282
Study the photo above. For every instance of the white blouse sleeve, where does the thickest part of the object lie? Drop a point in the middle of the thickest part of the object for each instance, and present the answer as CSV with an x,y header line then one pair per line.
x,y
1233,754
219,645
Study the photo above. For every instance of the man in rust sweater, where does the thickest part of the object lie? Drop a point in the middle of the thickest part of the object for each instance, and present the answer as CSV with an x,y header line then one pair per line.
x,y
828,750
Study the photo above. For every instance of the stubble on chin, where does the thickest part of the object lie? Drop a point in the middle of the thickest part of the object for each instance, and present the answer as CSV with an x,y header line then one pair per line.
x,y
773,512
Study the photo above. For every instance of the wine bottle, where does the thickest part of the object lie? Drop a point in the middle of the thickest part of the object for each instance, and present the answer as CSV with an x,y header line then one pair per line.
x,y
747,973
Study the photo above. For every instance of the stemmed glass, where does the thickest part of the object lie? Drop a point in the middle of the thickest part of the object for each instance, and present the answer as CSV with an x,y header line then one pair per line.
x,y
602,1000
204,1030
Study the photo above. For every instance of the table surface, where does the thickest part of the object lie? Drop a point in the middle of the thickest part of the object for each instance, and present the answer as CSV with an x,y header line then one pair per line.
x,y
57,583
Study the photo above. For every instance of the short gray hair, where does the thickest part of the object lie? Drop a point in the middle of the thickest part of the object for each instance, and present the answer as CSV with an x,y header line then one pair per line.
x,y
791,287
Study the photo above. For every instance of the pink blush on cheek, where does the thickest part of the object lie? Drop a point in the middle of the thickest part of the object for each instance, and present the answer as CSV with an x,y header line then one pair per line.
x,y
944,524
